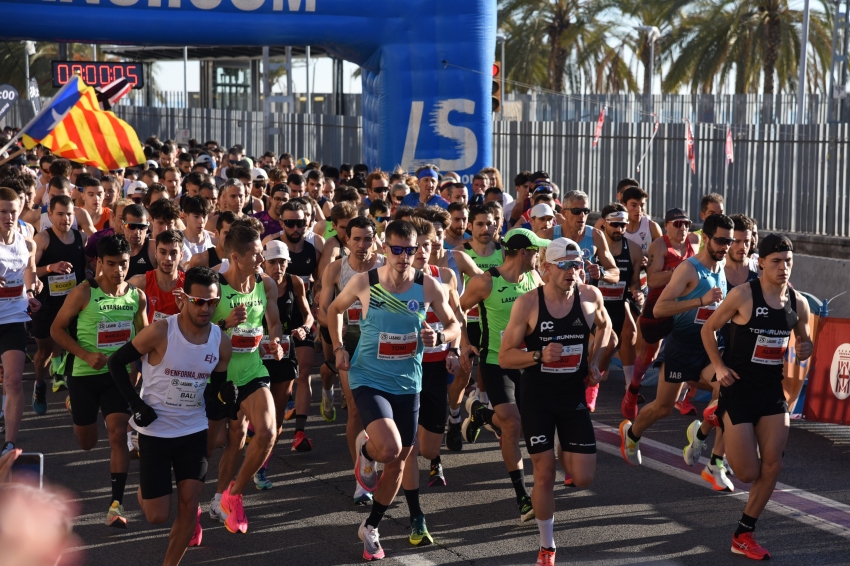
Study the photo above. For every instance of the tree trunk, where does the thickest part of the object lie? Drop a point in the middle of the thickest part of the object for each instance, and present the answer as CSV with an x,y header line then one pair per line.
x,y
772,40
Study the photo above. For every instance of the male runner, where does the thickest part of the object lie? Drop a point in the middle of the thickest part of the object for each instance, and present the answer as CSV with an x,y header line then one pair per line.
x,y
548,335
334,247
99,316
213,256
179,354
495,291
96,215
427,176
195,210
17,292
739,268
456,232
163,283
248,296
61,265
136,228
271,217
710,204
385,373
697,287
753,412
233,195
360,241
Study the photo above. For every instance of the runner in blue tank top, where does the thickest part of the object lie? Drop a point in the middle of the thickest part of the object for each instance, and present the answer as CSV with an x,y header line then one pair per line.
x,y
696,289
385,373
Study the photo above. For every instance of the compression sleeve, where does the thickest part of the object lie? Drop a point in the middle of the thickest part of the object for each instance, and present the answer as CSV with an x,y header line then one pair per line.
x,y
117,364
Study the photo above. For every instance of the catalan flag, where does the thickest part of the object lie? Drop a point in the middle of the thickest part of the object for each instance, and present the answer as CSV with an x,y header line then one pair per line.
x,y
72,125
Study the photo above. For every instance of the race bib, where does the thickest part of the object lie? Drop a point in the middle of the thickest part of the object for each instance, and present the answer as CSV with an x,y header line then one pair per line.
x,y
434,321
643,279
704,312
770,350
61,285
306,279
246,340
185,394
113,334
397,346
473,315
354,312
569,362
160,316
12,290
285,345
612,291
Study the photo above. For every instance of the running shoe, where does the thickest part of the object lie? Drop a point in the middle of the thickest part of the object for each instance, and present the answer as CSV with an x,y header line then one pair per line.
x,y
249,436
300,442
68,404
590,395
39,398
361,496
365,470
495,430
436,477
526,511
716,476
343,404
710,415
629,406
371,542
686,407
729,471
746,544
289,413
115,516
261,481
630,450
454,437
471,427
133,445
232,505
419,535
59,384
545,557
216,512
8,447
568,481
693,450
199,531
55,366
327,409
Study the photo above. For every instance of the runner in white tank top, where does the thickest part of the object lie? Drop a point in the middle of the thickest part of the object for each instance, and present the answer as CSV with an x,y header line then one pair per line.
x,y
643,235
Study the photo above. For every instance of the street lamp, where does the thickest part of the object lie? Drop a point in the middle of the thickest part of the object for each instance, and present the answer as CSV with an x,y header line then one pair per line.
x,y
29,51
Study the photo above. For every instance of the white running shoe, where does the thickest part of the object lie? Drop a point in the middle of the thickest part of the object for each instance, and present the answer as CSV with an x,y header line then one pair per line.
x,y
630,450
216,512
371,542
716,476
693,450
361,496
365,470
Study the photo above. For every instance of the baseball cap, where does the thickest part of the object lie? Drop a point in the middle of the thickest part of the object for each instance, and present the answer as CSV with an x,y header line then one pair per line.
x,y
245,162
206,160
520,238
258,174
774,243
675,214
561,248
541,210
302,163
152,163
275,249
137,188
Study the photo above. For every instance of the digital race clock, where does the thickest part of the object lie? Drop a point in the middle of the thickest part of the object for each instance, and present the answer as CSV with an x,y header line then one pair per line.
x,y
97,73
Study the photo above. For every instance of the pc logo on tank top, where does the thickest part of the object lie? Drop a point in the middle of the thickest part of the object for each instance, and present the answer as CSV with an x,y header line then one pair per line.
x,y
839,373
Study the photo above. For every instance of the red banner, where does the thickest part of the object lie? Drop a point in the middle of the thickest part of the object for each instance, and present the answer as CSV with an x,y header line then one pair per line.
x,y
730,154
689,147
599,123
828,391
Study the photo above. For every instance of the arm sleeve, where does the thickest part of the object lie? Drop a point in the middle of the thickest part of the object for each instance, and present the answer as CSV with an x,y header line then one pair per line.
x,y
117,364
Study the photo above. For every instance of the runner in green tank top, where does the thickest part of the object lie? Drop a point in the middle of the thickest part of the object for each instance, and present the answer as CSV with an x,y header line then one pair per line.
x,y
495,292
104,313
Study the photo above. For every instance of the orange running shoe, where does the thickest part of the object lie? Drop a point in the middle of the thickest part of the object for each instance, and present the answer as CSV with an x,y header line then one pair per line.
x,y
545,557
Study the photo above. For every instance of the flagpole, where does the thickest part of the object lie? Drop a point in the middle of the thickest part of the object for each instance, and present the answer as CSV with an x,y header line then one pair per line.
x,y
44,109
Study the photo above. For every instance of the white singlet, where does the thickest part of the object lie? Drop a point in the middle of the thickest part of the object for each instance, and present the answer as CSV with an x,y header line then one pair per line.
x,y
13,264
190,249
643,236
175,387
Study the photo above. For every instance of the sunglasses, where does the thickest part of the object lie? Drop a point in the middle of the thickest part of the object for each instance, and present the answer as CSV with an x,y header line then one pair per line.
x,y
259,183
198,301
723,241
615,224
682,223
43,170
137,226
577,211
380,219
398,198
380,190
137,200
409,250
295,223
568,264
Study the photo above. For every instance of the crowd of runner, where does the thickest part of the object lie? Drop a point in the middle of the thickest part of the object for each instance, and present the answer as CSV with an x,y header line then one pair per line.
x,y
187,301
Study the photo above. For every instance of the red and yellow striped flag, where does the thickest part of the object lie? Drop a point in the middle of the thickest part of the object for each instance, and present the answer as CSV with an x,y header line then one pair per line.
x,y
73,126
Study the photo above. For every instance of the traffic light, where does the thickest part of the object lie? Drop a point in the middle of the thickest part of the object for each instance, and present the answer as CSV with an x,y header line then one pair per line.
x,y
497,87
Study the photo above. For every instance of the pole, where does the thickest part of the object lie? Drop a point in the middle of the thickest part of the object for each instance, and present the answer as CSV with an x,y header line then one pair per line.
x,y
186,76
801,80
291,105
309,90
651,71
502,79
27,72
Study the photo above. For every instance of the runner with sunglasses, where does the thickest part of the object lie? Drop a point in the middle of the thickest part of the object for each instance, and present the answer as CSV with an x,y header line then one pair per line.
x,y
184,364
548,337
696,289
495,291
385,373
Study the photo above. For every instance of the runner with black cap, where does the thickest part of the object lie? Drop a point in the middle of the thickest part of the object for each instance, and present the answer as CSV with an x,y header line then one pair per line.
x,y
753,412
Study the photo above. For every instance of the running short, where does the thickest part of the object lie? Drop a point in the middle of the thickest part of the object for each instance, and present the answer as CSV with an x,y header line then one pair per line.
x,y
500,384
682,362
433,399
283,370
215,409
90,393
245,391
13,336
549,406
403,410
653,329
308,342
473,331
187,455
617,314
748,402
326,334
41,322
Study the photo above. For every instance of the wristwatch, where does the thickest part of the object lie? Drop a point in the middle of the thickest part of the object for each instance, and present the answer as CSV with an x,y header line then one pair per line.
x,y
455,351
222,324
537,356
441,338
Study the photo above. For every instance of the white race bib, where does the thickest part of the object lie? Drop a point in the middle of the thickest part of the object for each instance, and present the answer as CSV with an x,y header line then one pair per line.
x,y
61,285
285,345
160,316
13,290
397,346
185,394
246,340
770,350
612,291
113,334
569,362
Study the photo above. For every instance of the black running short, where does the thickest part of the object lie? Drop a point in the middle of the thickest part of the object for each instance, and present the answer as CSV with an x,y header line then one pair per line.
x,y
90,393
41,323
617,314
473,331
283,370
186,455
246,391
549,406
308,342
434,407
13,336
403,410
748,402
682,361
500,384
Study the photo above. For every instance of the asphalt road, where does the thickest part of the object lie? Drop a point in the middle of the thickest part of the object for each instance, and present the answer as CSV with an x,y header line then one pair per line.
x,y
659,513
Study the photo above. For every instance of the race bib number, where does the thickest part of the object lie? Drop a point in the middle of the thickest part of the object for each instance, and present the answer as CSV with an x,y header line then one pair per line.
x,y
770,350
643,279
612,291
285,345
704,312
160,316
61,285
354,312
12,290
397,346
113,334
569,362
185,394
473,315
246,340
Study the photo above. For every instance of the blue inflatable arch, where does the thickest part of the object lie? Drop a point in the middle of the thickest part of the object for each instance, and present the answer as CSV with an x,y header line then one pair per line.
x,y
416,109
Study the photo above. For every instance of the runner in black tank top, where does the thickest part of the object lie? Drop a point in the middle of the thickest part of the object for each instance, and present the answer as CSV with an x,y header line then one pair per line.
x,y
752,410
287,368
213,258
140,263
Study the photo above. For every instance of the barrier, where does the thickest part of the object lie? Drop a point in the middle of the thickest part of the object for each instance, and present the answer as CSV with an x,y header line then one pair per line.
x,y
828,388
425,63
